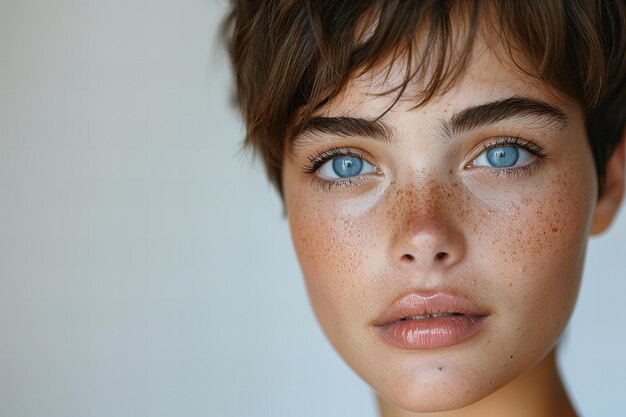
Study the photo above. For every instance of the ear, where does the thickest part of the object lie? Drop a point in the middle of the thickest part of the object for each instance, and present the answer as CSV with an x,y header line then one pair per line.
x,y
609,202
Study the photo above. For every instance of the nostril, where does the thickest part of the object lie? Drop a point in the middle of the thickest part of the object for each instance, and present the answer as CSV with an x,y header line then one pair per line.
x,y
441,255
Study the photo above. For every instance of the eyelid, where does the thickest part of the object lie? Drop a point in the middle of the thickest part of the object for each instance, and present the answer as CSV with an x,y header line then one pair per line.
x,y
514,141
366,165
321,157
524,157
317,160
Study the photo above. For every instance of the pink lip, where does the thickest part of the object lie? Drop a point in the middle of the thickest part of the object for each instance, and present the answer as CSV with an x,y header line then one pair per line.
x,y
430,333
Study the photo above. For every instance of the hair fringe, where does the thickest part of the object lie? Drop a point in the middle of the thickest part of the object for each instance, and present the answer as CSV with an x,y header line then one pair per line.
x,y
292,57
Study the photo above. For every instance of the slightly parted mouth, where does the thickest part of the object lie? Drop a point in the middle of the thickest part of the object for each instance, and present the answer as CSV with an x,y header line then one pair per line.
x,y
431,316
419,305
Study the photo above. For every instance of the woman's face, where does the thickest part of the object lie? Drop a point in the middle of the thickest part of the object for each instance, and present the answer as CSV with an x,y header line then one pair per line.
x,y
478,202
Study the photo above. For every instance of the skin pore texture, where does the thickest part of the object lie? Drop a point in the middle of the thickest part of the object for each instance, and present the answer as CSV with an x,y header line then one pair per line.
x,y
427,214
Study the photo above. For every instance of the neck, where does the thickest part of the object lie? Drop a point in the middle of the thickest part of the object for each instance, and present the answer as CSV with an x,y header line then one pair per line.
x,y
538,393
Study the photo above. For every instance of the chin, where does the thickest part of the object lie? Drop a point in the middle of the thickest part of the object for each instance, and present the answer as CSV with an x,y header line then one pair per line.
x,y
431,398
427,401
425,388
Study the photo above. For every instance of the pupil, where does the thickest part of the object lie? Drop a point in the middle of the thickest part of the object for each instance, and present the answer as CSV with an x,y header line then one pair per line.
x,y
347,166
503,156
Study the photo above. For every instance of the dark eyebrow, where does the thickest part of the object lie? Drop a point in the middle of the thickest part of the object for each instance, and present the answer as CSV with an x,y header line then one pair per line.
x,y
463,121
496,111
343,126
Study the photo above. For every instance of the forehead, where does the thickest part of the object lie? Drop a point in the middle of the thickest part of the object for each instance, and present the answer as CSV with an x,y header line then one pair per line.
x,y
491,73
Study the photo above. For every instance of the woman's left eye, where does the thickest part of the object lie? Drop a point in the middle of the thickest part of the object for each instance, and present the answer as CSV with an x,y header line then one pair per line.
x,y
502,157
345,166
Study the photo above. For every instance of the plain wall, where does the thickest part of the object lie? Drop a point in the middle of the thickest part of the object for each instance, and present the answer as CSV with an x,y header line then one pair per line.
x,y
145,267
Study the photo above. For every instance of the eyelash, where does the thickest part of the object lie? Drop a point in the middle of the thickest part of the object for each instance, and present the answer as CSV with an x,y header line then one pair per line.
x,y
317,160
519,172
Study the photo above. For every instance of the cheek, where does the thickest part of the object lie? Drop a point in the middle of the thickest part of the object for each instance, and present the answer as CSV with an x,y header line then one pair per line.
x,y
537,255
333,252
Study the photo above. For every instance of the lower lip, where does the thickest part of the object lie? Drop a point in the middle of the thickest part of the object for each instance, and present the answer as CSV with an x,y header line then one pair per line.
x,y
433,333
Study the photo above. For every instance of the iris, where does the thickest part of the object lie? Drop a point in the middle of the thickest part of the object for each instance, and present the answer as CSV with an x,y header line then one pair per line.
x,y
503,156
347,166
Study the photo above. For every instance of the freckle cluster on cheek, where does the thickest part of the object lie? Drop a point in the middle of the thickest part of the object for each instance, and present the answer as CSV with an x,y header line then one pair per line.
x,y
328,246
546,219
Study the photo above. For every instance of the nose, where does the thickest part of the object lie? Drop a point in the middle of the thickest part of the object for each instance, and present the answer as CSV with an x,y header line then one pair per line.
x,y
427,237
429,248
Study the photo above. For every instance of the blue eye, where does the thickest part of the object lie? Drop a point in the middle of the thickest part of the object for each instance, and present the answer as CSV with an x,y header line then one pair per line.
x,y
345,166
502,157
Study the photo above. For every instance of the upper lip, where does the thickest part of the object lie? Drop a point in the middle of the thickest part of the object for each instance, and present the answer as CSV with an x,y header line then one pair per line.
x,y
418,303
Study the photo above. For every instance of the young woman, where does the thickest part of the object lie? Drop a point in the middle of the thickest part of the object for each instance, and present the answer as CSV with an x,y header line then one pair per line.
x,y
442,165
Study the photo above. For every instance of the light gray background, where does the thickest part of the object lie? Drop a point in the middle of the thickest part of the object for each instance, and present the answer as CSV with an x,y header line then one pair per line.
x,y
145,269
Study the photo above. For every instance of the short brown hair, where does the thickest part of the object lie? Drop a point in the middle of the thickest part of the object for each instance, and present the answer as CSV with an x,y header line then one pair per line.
x,y
292,56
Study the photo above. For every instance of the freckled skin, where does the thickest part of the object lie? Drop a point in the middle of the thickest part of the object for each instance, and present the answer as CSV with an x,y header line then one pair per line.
x,y
515,245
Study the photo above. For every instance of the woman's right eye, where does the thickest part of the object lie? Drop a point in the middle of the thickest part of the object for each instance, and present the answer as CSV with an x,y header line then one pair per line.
x,y
345,166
